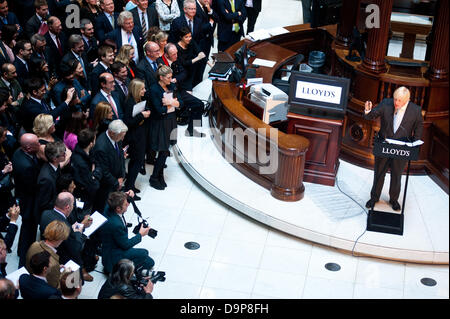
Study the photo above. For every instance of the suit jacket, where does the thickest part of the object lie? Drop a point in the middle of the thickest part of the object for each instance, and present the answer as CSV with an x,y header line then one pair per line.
x,y
55,56
115,240
26,171
120,93
93,77
53,273
70,249
99,97
146,73
116,36
226,20
152,17
207,28
137,125
102,25
111,163
70,56
257,5
180,22
32,287
22,71
46,189
179,73
15,88
30,109
91,49
12,19
32,26
10,229
410,128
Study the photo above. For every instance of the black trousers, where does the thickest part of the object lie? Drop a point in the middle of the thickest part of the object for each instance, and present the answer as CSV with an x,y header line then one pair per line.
x,y
137,160
252,15
193,109
223,45
382,165
28,232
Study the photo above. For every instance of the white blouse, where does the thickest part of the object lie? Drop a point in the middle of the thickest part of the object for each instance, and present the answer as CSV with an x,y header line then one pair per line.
x,y
167,13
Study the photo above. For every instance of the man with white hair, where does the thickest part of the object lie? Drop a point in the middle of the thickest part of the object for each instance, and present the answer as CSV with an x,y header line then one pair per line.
x,y
401,119
127,33
109,155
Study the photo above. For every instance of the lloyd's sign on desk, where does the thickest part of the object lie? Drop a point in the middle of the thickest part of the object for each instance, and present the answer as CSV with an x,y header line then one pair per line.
x,y
318,92
397,149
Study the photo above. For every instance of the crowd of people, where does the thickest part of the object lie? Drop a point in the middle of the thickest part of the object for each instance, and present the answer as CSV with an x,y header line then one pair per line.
x,y
85,85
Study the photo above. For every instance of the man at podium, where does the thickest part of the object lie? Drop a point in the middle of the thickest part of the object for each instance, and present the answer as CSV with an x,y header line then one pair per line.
x,y
400,119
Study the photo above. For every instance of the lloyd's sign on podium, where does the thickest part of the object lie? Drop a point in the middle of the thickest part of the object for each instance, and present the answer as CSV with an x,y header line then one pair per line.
x,y
385,222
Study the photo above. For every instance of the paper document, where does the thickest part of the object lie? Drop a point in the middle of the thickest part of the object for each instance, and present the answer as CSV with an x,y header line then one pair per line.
x,y
410,144
262,62
277,31
259,35
72,265
14,277
97,221
138,108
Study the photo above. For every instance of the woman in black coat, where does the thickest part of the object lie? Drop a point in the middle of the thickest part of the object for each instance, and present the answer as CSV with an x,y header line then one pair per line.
x,y
163,122
137,131
86,173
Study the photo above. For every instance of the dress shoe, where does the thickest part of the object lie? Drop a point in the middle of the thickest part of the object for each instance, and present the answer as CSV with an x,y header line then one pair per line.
x,y
136,197
143,171
136,190
395,205
162,181
155,183
371,203
194,134
86,276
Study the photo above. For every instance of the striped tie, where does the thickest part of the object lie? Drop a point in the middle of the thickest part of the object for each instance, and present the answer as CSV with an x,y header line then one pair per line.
x,y
144,25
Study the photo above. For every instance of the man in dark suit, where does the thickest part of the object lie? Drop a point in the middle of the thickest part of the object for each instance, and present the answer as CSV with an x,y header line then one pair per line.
x,y
37,22
90,42
56,42
120,73
127,33
187,19
23,52
76,52
253,9
400,120
9,226
108,154
25,172
34,285
209,20
40,49
146,69
71,248
115,242
232,15
106,56
9,81
107,94
50,171
7,17
106,21
145,16
36,105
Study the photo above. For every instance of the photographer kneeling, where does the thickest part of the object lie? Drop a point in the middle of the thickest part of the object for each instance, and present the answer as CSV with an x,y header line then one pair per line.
x,y
122,282
115,242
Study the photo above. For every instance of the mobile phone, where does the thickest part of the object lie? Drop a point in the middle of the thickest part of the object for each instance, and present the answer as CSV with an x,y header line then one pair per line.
x,y
126,148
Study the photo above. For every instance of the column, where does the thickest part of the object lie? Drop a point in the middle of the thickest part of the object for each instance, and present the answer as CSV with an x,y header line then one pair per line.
x,y
348,21
378,40
438,69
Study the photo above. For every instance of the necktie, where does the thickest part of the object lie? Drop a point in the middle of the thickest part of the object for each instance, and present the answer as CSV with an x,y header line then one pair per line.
x,y
191,27
113,106
111,16
82,65
124,88
155,66
43,29
129,37
59,46
144,25
236,25
118,152
5,20
45,106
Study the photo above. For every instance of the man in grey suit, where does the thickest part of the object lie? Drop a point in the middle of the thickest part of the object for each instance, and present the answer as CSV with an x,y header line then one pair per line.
x,y
400,120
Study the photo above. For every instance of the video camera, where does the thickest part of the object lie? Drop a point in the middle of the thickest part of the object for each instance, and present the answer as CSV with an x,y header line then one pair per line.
x,y
141,221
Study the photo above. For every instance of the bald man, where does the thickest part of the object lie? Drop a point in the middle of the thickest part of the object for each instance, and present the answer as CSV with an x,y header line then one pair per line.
x,y
401,119
146,69
26,171
109,95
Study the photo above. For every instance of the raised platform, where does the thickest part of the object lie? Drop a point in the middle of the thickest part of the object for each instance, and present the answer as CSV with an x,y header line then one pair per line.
x,y
326,215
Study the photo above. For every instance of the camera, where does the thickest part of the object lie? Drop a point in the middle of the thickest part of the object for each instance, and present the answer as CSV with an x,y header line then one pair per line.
x,y
139,279
152,233
155,276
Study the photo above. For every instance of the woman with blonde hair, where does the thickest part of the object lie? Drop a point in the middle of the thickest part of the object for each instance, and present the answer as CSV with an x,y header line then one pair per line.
x,y
163,122
161,38
126,56
55,233
137,131
103,115
44,128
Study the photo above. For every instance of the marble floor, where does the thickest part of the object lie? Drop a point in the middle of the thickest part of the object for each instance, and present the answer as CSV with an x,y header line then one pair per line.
x,y
240,257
